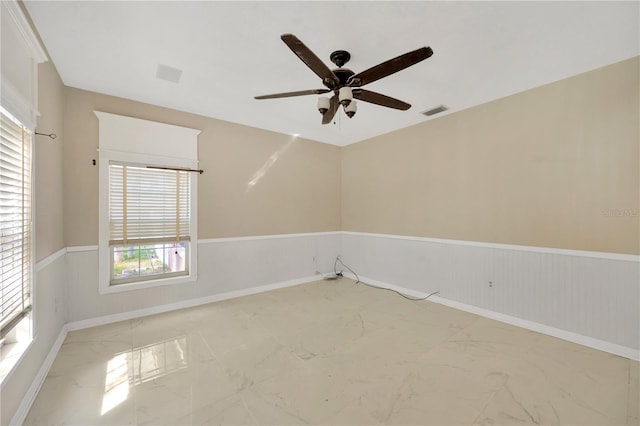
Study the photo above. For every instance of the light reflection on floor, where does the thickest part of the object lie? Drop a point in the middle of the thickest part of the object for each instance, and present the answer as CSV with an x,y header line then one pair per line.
x,y
144,363
116,388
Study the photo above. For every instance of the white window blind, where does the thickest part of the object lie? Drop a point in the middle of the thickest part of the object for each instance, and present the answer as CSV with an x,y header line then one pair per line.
x,y
148,205
15,221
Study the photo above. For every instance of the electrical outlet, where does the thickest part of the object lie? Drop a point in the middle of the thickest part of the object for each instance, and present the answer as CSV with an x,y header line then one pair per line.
x,y
491,284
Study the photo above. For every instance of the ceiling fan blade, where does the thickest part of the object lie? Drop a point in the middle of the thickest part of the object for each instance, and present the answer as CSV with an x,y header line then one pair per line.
x,y
329,79
380,99
290,94
389,67
333,108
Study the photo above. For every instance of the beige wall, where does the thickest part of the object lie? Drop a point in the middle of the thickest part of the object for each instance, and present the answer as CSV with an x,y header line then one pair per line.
x,y
298,193
551,167
48,164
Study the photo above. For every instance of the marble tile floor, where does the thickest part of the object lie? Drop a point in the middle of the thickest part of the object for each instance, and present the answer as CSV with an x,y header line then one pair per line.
x,y
331,352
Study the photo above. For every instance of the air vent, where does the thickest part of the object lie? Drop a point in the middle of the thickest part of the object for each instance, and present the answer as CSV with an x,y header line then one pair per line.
x,y
436,110
168,73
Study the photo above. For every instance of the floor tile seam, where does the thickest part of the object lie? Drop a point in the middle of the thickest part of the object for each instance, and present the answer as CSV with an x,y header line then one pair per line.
x,y
246,407
255,383
213,353
585,405
282,408
449,338
503,387
344,404
299,304
306,329
133,387
629,401
281,342
291,351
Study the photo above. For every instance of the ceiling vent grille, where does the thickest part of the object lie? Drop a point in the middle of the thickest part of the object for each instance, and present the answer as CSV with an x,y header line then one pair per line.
x,y
434,111
168,73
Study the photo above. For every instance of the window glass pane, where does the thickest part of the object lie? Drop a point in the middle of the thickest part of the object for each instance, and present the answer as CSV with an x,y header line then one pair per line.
x,y
149,260
15,221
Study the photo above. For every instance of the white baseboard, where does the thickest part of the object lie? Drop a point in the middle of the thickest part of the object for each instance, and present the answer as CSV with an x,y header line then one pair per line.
x,y
22,411
108,319
580,339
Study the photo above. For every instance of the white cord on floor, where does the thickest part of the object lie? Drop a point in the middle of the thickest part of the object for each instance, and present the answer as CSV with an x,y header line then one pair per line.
x,y
339,274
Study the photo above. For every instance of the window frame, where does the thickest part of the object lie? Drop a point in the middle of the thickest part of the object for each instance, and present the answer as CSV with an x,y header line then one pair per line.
x,y
131,233
19,337
104,250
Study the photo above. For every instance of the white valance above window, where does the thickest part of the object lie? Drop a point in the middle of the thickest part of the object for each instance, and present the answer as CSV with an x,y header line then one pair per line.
x,y
137,136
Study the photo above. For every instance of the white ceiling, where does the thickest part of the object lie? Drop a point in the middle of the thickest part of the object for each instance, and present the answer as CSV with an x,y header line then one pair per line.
x,y
231,51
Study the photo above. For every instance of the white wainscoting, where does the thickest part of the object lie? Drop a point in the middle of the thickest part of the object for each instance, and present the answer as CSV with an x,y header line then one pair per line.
x,y
586,297
594,297
227,267
20,387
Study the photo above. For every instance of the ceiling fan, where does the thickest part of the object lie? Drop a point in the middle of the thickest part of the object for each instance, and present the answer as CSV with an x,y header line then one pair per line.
x,y
344,83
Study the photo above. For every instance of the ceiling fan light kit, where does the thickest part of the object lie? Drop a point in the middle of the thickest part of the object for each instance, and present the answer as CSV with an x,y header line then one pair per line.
x,y
345,95
350,109
323,104
344,83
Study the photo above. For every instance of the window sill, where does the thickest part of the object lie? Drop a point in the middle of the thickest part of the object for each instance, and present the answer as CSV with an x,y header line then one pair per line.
x,y
119,288
12,352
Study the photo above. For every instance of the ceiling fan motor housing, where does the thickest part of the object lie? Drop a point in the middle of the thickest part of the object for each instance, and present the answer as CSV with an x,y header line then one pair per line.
x,y
343,75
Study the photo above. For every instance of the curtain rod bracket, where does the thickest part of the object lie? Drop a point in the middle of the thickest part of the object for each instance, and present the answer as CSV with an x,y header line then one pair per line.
x,y
51,135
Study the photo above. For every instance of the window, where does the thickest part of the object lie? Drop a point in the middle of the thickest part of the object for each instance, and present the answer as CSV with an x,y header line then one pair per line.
x,y
15,222
147,203
21,54
149,222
